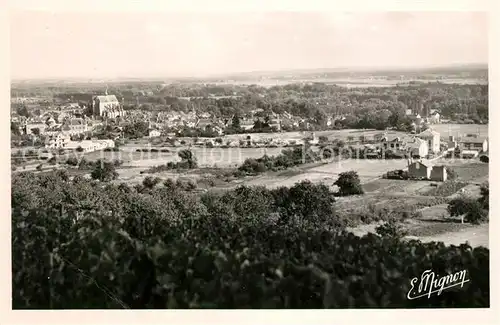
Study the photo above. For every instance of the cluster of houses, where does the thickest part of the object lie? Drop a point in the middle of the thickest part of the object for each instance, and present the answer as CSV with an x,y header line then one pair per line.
x,y
59,124
424,144
62,140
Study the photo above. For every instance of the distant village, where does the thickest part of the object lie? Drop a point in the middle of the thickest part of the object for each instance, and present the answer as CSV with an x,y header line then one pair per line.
x,y
71,126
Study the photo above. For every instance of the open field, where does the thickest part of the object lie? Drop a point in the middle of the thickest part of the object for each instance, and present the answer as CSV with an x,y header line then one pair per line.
x,y
448,233
456,130
398,186
367,170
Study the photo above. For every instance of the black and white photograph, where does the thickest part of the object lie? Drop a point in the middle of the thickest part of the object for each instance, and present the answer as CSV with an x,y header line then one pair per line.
x,y
249,160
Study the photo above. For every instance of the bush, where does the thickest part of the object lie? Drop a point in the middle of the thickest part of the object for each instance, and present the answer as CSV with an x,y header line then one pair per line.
x,y
79,149
391,229
39,167
150,182
72,161
484,159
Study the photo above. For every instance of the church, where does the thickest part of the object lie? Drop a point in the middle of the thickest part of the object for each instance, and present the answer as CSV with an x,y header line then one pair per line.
x,y
107,106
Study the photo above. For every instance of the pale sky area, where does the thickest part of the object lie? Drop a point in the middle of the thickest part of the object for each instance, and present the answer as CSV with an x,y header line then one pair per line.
x,y
110,45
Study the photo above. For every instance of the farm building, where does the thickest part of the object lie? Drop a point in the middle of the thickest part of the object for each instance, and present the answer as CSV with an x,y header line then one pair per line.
x,y
421,170
433,139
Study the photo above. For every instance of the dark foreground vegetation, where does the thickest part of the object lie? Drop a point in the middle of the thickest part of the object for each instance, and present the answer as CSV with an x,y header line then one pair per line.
x,y
87,244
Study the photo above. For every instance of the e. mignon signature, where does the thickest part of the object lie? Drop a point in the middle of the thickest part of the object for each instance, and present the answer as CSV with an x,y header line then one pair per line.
x,y
430,282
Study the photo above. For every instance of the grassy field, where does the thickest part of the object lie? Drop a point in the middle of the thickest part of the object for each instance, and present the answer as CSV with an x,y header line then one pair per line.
x,y
368,170
397,186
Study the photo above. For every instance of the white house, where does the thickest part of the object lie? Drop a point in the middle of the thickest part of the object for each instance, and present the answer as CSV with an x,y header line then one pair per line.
x,y
433,139
59,140
90,145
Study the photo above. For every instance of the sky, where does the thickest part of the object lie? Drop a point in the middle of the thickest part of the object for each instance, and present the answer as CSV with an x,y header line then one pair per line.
x,y
165,45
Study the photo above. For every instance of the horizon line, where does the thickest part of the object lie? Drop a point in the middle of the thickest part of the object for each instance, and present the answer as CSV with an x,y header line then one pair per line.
x,y
365,69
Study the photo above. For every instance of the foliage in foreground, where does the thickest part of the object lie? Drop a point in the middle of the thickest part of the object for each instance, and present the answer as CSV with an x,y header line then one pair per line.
x,y
85,244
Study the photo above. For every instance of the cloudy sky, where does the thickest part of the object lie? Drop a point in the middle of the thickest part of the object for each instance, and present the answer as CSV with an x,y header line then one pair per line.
x,y
109,45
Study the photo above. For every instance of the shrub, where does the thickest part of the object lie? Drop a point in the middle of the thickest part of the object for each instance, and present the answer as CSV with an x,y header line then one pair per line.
x,y
484,159
52,161
150,182
72,161
391,229
39,167
79,149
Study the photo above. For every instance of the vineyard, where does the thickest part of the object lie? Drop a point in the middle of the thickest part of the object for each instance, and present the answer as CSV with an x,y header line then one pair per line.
x,y
85,244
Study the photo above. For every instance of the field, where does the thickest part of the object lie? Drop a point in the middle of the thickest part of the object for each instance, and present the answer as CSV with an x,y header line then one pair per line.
x,y
457,130
328,173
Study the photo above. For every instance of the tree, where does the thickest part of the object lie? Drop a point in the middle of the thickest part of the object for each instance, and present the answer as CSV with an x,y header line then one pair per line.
x,y
14,128
36,131
136,130
349,184
307,201
236,123
23,111
188,158
484,200
467,209
104,171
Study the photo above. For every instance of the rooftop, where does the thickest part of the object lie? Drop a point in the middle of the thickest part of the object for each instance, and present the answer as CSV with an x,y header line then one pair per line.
x,y
429,132
107,99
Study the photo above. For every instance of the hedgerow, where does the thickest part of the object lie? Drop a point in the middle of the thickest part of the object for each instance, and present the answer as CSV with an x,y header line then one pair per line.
x,y
85,244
